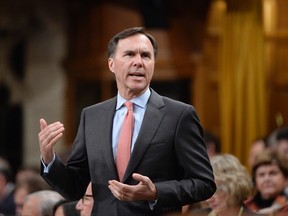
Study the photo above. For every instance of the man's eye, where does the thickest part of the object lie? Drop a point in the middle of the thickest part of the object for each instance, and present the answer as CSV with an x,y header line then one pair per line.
x,y
146,56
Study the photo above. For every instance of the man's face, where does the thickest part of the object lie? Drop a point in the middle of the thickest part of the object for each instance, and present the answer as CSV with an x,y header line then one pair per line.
x,y
133,65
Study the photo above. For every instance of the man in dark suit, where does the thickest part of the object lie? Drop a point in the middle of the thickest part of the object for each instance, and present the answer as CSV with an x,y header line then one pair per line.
x,y
168,165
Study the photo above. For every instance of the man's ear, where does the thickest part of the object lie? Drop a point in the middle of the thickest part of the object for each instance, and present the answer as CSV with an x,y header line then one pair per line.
x,y
111,64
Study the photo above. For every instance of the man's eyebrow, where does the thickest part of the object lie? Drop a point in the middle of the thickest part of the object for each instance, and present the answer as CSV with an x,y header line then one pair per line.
x,y
146,53
128,51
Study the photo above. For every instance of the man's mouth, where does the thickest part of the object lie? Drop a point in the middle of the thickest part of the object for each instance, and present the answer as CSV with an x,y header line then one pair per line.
x,y
136,74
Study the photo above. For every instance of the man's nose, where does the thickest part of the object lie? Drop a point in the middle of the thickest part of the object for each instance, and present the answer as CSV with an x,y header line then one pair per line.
x,y
137,60
79,205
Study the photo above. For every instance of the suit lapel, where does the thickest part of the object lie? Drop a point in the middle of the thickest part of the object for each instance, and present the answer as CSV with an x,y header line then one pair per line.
x,y
107,135
151,121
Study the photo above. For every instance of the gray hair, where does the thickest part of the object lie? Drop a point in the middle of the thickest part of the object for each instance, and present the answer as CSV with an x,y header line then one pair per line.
x,y
47,199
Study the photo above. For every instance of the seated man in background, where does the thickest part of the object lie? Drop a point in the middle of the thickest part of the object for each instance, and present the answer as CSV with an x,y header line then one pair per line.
x,y
85,204
40,203
26,185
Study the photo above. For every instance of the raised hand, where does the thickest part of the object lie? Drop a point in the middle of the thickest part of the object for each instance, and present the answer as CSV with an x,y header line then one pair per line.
x,y
48,137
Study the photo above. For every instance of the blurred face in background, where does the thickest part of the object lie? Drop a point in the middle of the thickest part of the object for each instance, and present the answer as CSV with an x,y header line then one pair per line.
x,y
256,148
282,147
19,197
270,181
85,204
218,202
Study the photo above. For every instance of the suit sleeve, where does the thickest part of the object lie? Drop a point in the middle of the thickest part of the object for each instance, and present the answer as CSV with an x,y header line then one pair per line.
x,y
70,180
196,180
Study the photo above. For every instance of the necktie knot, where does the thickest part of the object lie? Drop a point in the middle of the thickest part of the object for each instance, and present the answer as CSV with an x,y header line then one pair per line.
x,y
129,105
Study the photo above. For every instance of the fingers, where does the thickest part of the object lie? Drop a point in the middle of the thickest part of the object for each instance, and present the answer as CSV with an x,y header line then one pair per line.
x,y
116,189
48,137
144,190
50,134
43,124
146,187
141,178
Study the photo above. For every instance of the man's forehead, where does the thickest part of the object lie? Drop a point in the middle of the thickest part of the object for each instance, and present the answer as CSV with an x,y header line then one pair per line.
x,y
135,41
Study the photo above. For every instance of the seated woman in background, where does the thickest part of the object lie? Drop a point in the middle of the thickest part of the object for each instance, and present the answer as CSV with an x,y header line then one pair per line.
x,y
270,175
234,186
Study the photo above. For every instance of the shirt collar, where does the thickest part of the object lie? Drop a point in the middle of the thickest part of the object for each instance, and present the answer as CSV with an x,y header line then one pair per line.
x,y
139,101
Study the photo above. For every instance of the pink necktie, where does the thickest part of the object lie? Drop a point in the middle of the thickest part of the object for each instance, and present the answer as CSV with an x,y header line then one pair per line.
x,y
125,139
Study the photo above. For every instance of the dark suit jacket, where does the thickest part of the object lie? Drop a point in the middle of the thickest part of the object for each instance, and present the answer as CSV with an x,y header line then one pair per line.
x,y
169,150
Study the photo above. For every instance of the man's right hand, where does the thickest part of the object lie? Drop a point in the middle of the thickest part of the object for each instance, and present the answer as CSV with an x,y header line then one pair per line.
x,y
48,137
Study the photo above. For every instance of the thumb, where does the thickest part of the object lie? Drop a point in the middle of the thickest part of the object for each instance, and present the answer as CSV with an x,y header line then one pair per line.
x,y
43,124
138,177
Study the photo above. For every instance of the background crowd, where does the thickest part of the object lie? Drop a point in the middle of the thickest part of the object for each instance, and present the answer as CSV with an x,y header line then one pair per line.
x,y
257,189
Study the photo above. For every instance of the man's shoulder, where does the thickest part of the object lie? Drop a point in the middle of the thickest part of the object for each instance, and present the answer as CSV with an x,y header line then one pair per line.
x,y
169,100
102,105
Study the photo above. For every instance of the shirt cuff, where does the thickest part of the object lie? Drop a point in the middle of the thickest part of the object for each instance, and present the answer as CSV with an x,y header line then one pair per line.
x,y
152,204
47,167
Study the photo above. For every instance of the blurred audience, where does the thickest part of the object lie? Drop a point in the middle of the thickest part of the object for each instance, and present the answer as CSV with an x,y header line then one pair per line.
x,y
234,186
282,142
272,139
26,185
270,176
257,147
7,205
26,171
40,203
212,144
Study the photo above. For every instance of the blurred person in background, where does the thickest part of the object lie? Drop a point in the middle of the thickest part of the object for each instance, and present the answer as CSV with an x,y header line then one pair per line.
x,y
85,204
234,186
7,205
282,142
40,203
25,172
270,176
212,144
257,147
26,185
232,190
